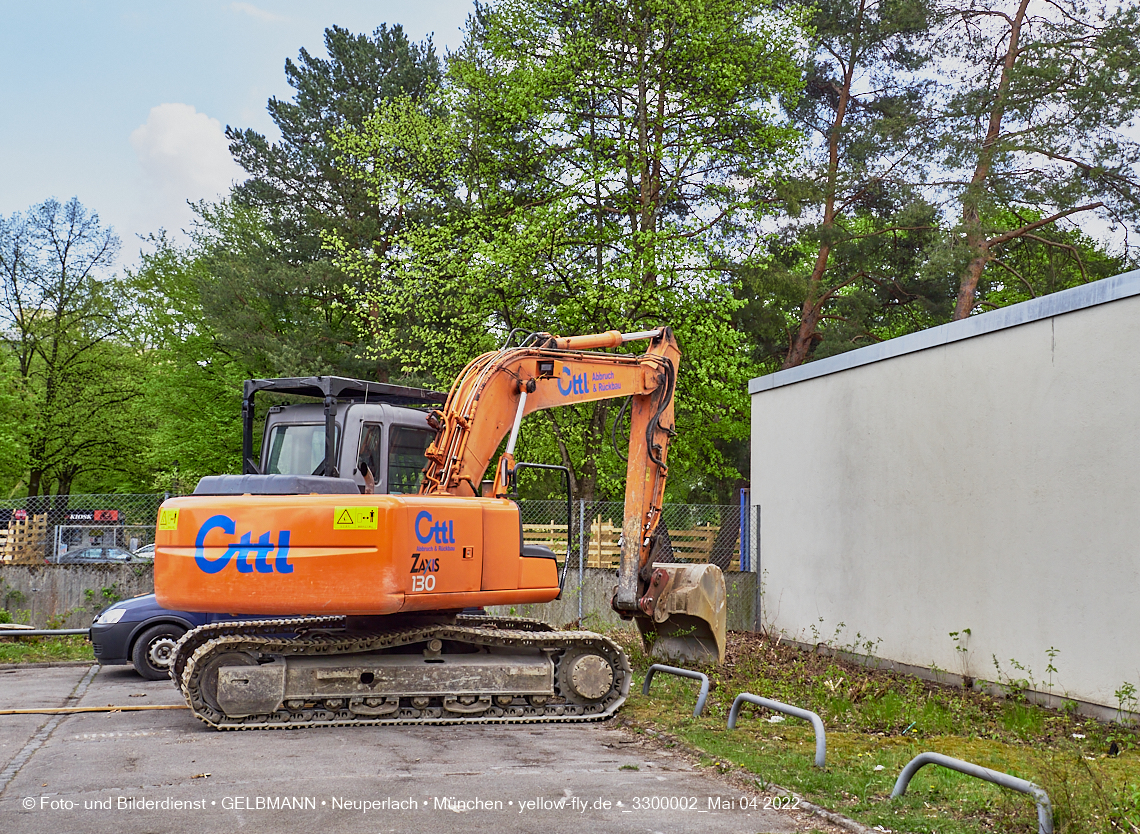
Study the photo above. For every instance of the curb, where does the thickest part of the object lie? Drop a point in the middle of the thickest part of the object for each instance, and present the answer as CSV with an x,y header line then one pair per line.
x,y
47,664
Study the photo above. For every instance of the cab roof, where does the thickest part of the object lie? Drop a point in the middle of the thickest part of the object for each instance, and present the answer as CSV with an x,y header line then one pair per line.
x,y
344,388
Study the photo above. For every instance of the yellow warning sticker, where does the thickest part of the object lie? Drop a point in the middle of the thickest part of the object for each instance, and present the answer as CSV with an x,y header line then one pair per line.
x,y
355,518
168,519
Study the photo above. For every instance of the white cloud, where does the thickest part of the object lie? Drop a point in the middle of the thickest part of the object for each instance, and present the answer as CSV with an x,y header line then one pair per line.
x,y
184,155
259,14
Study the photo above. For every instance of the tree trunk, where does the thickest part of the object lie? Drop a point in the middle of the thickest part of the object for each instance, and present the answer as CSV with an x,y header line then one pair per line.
x,y
971,219
800,345
968,285
806,335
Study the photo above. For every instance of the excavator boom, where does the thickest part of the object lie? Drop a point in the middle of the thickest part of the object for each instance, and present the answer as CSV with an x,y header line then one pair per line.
x,y
680,610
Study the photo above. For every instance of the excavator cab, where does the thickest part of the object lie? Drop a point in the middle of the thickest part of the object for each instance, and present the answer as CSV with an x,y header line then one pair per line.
x,y
373,433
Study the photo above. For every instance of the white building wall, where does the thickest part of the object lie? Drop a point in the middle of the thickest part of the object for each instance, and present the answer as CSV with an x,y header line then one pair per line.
x,y
981,475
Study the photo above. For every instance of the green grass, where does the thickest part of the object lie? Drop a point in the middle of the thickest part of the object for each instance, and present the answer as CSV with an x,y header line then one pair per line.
x,y
875,718
45,649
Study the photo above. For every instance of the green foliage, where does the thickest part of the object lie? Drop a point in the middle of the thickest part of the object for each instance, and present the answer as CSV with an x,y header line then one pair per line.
x,y
1125,698
107,595
1040,262
847,270
60,620
75,379
599,184
46,650
192,383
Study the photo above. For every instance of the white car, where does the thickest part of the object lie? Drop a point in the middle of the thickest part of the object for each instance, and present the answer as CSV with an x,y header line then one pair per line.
x,y
146,552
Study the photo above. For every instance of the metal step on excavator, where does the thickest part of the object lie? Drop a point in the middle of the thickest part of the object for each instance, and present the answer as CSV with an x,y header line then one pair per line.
x,y
363,592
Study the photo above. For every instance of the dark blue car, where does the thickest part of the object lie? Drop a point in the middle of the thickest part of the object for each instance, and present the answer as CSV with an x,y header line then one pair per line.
x,y
141,632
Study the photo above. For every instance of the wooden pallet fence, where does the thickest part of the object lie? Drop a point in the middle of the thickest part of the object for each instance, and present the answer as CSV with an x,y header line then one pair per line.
x,y
24,540
603,551
696,545
552,535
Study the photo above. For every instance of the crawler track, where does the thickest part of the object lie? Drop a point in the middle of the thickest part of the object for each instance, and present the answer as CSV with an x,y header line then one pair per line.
x,y
326,636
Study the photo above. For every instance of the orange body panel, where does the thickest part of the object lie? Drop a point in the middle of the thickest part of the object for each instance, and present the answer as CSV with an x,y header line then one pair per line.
x,y
343,554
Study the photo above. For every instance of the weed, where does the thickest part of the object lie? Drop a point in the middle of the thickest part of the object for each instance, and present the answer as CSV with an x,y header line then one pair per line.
x,y
1022,720
1125,700
1050,669
36,650
629,767
815,632
60,620
962,647
864,646
1015,687
107,595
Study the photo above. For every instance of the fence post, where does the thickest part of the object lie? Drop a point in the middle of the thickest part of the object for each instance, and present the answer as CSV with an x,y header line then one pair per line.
x,y
581,557
754,559
745,552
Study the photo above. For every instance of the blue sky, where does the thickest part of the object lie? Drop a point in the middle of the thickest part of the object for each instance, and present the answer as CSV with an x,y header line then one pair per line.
x,y
122,103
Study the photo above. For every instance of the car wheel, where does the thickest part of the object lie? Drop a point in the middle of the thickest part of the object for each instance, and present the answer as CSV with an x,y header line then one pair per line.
x,y
154,649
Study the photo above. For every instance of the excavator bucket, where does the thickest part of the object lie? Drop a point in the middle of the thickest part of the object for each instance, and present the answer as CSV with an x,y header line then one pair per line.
x,y
686,614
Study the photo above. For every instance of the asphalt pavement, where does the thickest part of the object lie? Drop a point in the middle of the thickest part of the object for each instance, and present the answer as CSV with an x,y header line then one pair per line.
x,y
161,770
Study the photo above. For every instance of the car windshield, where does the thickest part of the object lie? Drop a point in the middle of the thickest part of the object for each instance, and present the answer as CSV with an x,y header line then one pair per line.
x,y
296,449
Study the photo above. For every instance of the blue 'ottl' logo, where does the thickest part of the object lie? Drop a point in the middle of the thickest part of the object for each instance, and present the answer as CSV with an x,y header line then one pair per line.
x,y
571,383
242,550
441,532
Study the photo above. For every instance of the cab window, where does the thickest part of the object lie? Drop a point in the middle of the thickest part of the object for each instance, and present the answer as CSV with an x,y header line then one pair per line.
x,y
370,460
297,449
406,458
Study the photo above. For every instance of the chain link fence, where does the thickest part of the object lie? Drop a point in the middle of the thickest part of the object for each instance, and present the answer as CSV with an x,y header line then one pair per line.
x,y
592,539
32,529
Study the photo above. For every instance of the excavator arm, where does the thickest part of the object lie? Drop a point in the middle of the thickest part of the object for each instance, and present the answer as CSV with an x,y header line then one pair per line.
x,y
680,609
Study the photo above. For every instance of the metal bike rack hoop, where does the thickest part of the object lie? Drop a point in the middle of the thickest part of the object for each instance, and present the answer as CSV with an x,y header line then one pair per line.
x,y
683,673
787,709
1044,806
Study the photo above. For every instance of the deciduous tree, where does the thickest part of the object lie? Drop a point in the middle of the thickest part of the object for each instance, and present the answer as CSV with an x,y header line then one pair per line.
x,y
60,330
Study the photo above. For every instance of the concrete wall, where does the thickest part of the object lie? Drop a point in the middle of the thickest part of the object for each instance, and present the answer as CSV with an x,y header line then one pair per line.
x,y
81,591
72,594
598,589
981,475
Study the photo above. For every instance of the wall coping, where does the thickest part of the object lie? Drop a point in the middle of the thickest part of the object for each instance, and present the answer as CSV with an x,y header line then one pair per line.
x,y
1088,295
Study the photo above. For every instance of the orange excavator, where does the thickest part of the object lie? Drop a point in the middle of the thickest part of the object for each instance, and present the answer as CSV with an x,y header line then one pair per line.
x,y
364,594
